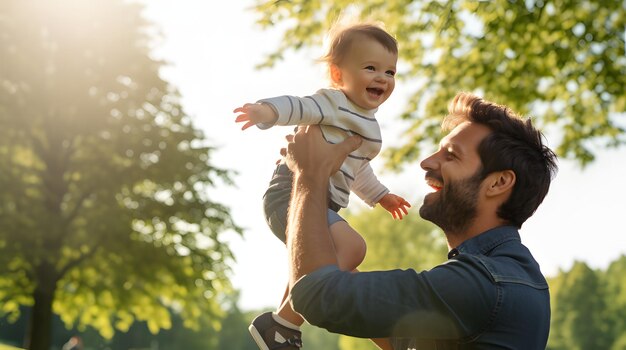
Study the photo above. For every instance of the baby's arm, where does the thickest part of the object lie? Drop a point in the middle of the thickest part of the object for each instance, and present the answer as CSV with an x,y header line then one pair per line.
x,y
395,205
255,113
367,186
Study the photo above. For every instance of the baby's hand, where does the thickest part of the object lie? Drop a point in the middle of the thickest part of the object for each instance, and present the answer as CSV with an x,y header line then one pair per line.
x,y
254,113
395,205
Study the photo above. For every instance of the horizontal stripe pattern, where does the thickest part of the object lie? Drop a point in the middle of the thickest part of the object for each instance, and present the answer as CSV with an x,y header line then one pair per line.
x,y
338,118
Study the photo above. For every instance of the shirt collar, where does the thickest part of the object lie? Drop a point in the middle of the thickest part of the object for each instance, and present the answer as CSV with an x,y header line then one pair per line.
x,y
486,241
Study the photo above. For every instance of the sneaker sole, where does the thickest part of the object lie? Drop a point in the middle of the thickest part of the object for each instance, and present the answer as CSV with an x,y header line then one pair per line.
x,y
258,339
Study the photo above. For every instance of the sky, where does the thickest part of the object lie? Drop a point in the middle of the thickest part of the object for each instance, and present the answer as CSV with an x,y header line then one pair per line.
x,y
211,54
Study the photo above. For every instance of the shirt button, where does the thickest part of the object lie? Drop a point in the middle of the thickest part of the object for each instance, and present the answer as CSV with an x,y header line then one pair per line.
x,y
454,252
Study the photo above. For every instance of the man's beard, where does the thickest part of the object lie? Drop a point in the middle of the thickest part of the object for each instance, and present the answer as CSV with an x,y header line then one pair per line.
x,y
455,209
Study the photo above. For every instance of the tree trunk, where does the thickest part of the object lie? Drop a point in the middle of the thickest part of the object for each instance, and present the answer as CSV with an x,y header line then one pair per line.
x,y
39,333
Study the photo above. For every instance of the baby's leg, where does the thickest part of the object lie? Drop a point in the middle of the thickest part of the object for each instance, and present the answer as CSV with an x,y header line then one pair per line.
x,y
350,249
286,312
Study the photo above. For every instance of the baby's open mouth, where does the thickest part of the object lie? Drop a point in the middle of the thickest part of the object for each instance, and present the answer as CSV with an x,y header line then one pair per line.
x,y
375,91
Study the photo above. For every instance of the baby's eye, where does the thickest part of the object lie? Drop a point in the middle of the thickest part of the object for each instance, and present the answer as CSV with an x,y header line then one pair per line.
x,y
390,72
370,68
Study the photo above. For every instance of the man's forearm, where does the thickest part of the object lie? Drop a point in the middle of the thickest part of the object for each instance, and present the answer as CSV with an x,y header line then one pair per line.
x,y
308,238
313,161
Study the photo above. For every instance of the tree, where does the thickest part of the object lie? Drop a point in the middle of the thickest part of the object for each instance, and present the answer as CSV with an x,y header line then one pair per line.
x,y
106,215
579,310
395,244
562,61
138,336
234,334
613,279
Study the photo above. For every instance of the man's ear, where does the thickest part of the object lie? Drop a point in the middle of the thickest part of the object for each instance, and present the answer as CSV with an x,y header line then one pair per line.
x,y
500,182
335,74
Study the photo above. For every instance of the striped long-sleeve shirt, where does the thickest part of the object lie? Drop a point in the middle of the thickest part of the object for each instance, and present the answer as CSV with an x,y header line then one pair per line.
x,y
338,119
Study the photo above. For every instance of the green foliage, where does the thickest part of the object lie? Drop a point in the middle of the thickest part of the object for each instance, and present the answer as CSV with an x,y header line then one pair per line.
x,y
398,244
615,280
562,61
106,205
7,347
234,329
350,343
579,310
178,336
589,307
319,338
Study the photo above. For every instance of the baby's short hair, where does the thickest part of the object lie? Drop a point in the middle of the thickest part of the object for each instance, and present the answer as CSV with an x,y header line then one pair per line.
x,y
343,39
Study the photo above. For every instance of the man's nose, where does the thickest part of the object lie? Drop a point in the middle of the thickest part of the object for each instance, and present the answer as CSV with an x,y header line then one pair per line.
x,y
429,163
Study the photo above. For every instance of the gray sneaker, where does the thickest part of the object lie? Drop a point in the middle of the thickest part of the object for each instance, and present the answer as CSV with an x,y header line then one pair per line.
x,y
270,335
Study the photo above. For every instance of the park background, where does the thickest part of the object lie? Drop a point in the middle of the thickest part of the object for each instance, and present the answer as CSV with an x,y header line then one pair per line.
x,y
211,51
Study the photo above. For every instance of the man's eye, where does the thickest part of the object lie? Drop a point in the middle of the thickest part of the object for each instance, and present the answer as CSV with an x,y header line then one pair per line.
x,y
370,68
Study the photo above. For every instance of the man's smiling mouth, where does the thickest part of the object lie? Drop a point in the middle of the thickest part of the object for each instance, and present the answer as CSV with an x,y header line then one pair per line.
x,y
434,184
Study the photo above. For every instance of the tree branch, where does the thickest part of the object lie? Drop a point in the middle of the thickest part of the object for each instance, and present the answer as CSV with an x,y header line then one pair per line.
x,y
74,212
73,263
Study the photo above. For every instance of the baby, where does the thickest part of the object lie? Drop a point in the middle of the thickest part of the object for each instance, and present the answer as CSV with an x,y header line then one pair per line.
x,y
362,65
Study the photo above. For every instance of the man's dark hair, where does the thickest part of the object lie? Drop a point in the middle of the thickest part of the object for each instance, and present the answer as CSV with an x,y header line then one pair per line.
x,y
513,144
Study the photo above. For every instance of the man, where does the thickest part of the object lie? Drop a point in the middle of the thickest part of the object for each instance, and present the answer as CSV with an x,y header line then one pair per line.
x,y
489,175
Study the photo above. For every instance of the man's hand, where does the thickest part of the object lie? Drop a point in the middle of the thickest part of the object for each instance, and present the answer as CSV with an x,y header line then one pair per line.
x,y
308,153
312,161
254,113
395,205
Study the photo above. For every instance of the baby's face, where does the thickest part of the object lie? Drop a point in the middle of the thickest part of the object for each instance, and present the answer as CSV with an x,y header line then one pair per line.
x,y
368,73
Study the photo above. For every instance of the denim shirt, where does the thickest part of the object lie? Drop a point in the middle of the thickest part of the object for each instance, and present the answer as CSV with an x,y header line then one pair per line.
x,y
490,294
